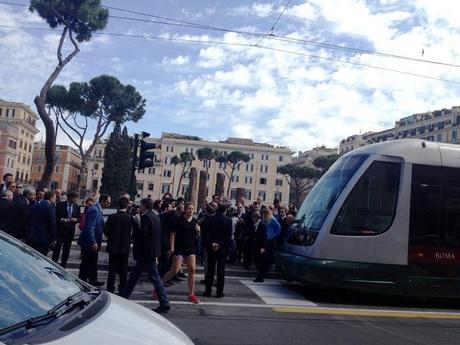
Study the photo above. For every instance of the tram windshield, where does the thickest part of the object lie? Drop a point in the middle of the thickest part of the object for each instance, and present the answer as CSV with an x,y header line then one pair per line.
x,y
320,200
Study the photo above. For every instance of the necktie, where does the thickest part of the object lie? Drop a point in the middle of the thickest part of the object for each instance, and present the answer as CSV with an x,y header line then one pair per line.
x,y
69,211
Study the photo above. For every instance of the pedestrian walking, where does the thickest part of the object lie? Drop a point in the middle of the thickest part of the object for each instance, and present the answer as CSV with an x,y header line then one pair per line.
x,y
183,249
260,246
118,230
146,250
67,217
41,230
216,234
90,241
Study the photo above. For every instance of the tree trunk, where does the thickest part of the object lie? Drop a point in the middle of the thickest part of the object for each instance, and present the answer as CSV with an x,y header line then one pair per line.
x,y
220,181
180,181
50,142
192,193
230,178
202,187
82,176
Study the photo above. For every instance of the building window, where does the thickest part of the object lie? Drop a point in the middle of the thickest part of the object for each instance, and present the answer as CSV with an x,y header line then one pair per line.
x,y
263,168
20,144
184,189
235,178
23,159
247,194
233,194
27,177
454,136
28,161
12,144
140,186
248,179
263,180
151,171
7,112
165,188
150,186
57,168
1,111
13,112
263,195
439,137
167,173
96,166
279,182
172,148
280,158
95,183
167,148
279,196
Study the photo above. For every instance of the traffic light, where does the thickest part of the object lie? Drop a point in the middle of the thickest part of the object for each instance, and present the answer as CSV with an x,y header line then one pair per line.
x,y
146,157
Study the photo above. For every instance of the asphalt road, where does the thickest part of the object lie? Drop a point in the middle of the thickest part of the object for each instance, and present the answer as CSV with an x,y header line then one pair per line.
x,y
276,313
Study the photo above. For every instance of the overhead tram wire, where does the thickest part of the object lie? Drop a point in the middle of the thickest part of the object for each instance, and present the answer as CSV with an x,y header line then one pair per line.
x,y
270,33
182,23
245,45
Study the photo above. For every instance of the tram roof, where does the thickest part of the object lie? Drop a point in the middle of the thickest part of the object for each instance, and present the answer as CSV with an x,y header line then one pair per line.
x,y
415,151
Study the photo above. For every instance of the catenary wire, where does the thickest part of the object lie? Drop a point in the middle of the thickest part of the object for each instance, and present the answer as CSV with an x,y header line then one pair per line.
x,y
245,45
182,23
270,33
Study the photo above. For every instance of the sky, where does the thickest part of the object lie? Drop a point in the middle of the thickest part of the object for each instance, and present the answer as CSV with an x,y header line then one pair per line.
x,y
309,96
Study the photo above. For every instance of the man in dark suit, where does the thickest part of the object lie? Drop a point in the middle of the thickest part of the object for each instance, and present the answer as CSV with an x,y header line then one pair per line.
x,y
90,241
41,230
216,235
118,230
67,216
7,181
260,247
6,217
21,211
146,250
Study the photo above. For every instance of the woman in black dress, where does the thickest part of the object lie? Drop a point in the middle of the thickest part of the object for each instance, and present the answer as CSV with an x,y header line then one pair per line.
x,y
183,248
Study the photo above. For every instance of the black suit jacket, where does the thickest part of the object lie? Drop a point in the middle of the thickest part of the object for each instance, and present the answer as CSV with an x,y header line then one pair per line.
x,y
6,218
216,229
261,236
147,240
42,225
61,212
21,215
118,229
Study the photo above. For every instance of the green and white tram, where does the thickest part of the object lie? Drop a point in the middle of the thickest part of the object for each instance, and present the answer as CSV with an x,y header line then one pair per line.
x,y
385,218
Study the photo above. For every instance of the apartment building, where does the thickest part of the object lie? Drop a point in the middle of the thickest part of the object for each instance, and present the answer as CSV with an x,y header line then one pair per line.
x,y
438,125
66,171
17,133
258,177
95,165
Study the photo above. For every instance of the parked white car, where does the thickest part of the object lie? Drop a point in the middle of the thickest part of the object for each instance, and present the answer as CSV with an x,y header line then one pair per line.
x,y
42,303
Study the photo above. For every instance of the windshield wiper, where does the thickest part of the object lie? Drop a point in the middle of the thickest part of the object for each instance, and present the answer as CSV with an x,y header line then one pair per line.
x,y
80,299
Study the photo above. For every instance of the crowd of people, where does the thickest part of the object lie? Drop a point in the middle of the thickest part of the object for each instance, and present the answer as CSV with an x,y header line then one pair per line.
x,y
165,234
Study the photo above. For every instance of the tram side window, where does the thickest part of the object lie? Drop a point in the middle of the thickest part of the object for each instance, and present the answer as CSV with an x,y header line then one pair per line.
x,y
435,206
371,206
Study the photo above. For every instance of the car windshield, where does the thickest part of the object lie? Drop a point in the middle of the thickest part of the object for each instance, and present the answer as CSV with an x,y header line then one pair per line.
x,y
30,285
320,200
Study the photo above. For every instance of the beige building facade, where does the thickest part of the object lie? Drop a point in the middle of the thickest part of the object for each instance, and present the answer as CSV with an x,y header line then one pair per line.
x,y
66,170
17,134
258,177
438,125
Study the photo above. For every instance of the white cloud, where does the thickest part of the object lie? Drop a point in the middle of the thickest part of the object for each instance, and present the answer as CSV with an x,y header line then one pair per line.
x,y
258,9
178,61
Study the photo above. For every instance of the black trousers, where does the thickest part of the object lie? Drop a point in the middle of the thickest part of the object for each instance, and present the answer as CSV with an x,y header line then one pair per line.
x,y
165,262
261,263
42,248
118,264
270,255
64,241
248,252
88,266
215,258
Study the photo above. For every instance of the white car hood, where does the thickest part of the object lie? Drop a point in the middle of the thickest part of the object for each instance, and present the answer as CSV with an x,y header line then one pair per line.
x,y
125,322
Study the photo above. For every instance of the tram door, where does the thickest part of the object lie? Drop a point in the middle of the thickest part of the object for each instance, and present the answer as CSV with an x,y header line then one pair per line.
x,y
434,234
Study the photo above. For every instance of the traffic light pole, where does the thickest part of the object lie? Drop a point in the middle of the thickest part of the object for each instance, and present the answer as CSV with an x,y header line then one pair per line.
x,y
134,164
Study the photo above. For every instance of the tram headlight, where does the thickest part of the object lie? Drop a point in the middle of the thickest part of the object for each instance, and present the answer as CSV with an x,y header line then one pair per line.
x,y
310,237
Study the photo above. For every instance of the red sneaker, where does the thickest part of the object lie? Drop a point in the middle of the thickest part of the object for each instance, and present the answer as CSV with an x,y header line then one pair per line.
x,y
154,295
193,299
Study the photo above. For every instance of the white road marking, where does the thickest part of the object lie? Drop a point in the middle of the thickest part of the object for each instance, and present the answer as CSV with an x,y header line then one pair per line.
x,y
274,293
